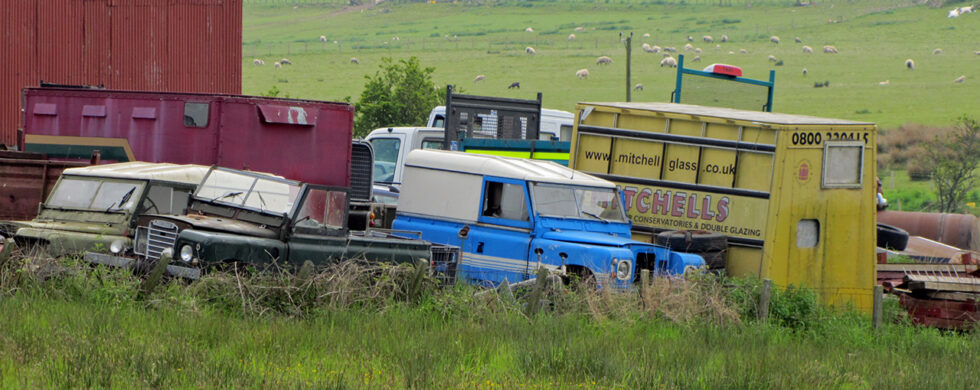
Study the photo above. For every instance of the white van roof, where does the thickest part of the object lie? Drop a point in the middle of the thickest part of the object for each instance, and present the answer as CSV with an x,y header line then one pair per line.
x,y
506,167
186,173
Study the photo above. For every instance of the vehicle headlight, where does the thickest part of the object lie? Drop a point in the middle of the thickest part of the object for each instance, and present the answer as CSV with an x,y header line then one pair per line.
x,y
624,269
186,253
116,247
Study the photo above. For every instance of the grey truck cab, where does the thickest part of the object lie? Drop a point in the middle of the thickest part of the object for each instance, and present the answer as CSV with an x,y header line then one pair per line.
x,y
511,216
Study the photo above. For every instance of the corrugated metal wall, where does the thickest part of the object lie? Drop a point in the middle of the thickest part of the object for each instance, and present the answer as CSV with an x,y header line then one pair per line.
x,y
156,45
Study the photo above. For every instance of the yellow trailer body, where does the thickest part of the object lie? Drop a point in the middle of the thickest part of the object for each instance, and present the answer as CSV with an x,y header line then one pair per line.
x,y
794,194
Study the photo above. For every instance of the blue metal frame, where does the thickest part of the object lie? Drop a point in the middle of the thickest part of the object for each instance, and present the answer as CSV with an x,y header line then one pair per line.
x,y
676,94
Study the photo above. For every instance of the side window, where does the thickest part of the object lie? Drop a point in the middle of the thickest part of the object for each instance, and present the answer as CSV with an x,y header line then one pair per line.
x,y
504,200
842,164
159,200
431,143
196,114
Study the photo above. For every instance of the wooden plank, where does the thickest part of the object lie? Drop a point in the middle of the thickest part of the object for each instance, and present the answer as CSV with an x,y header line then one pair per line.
x,y
954,296
950,268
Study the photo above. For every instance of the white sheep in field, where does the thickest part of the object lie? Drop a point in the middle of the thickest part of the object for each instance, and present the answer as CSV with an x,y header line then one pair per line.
x,y
774,39
646,35
669,61
910,64
937,51
571,37
708,39
670,49
323,38
804,72
697,50
690,38
830,49
807,50
688,47
530,50
966,10
798,40
479,77
258,62
772,58
277,64
724,38
954,13
960,79
579,29
582,74
603,60
666,54
395,38
696,59
647,48
528,29
638,87
355,61
655,49
743,51
285,61
886,82
730,52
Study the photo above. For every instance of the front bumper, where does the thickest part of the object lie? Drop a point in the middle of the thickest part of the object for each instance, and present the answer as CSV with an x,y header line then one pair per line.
x,y
130,263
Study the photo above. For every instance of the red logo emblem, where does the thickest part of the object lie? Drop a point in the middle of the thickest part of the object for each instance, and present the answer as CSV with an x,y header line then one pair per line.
x,y
804,171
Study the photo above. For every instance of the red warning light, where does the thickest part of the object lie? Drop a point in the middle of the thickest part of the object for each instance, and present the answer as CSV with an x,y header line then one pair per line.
x,y
727,70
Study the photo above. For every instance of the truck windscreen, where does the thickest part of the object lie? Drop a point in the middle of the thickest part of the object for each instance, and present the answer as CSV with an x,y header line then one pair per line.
x,y
565,201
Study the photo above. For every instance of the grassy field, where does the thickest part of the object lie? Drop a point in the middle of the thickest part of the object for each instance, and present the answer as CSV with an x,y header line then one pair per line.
x,y
462,40
86,329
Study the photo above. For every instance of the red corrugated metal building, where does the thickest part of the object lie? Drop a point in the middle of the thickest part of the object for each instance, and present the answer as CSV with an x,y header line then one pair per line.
x,y
155,45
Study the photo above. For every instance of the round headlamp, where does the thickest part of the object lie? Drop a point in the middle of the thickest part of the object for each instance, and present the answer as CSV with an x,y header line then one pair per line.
x,y
116,247
186,253
624,269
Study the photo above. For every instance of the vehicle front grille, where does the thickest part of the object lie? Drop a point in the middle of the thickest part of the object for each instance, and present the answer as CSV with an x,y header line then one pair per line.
x,y
361,171
162,235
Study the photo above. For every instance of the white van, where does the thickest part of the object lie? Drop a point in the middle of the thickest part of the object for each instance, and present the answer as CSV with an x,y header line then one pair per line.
x,y
554,123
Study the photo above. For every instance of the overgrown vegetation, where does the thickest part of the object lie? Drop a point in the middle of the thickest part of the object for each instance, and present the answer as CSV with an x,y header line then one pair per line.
x,y
357,326
954,157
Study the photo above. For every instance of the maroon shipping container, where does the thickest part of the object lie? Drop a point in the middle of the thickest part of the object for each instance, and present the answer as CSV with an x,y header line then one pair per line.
x,y
155,45
303,140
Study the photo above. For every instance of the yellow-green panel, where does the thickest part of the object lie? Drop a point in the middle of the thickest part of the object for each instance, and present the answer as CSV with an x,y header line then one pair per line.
x,y
744,261
600,118
644,123
637,158
759,135
754,171
722,131
681,163
685,127
592,153
717,167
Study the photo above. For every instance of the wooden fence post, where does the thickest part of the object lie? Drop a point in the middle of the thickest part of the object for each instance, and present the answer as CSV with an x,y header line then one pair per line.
x,y
534,299
155,276
876,308
764,300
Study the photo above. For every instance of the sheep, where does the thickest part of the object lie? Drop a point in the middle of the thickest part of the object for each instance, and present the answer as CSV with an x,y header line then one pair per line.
x,y
285,61
697,50
708,39
772,58
354,60
646,35
582,74
966,10
258,62
579,29
960,79
530,50
323,38
696,59
804,72
571,37
730,52
688,47
954,13
937,51
646,48
638,87
807,50
886,82
516,84
910,64
798,40
690,38
669,61
479,77
603,60
670,49
528,29
977,52
666,54
830,49
655,49
743,51
395,38
774,39
724,38
277,64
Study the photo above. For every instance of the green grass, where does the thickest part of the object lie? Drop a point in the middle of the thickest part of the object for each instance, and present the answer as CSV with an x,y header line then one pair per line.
x,y
874,39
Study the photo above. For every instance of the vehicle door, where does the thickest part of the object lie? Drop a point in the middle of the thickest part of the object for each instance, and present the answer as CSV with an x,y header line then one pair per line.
x,y
497,246
389,151
318,228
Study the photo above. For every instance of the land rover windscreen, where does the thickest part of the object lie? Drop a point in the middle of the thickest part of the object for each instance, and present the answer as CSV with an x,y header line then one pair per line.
x,y
577,202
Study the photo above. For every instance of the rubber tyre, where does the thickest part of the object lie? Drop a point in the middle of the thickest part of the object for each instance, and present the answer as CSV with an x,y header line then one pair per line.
x,y
715,260
892,237
700,241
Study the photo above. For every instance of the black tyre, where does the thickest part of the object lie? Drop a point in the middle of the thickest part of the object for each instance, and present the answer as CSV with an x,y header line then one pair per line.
x,y
892,237
692,241
714,259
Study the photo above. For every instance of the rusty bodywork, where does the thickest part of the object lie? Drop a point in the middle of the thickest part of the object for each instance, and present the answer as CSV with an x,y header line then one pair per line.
x,y
27,180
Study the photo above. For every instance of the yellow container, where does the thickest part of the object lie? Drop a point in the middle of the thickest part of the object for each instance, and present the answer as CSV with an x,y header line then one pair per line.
x,y
794,194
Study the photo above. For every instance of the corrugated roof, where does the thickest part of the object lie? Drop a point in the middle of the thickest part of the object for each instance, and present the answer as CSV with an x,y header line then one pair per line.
x,y
731,114
181,173
506,167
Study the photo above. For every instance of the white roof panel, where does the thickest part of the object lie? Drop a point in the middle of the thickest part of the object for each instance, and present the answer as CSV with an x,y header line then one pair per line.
x,y
187,173
506,167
